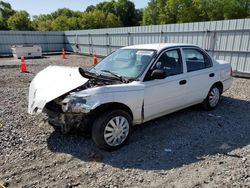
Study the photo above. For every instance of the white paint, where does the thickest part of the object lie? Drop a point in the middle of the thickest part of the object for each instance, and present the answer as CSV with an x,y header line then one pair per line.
x,y
51,83
159,97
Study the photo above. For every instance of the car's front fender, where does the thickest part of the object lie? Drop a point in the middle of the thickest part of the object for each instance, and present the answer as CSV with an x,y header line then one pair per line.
x,y
130,95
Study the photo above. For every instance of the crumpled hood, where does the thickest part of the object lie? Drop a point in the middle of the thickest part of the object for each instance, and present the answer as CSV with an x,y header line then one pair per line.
x,y
51,83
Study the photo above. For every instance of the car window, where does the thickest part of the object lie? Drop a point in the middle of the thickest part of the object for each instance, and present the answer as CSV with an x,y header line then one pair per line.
x,y
171,62
196,60
128,63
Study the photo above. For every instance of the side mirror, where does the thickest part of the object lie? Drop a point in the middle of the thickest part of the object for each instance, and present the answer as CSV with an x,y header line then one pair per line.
x,y
158,65
158,74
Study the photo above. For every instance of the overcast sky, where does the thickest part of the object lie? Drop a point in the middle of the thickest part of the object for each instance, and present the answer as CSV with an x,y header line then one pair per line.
x,y
36,7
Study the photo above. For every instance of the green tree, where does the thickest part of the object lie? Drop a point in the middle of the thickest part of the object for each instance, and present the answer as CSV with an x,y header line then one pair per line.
x,y
107,6
90,8
126,12
99,19
187,11
63,23
62,19
155,13
123,9
228,9
3,25
6,11
60,24
66,12
180,11
20,21
42,22
112,21
62,12
138,16
150,13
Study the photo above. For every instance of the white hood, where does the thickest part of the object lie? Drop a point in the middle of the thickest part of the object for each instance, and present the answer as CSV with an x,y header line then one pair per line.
x,y
51,83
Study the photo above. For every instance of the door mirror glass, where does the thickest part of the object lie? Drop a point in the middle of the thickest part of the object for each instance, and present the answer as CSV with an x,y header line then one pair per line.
x,y
158,65
158,74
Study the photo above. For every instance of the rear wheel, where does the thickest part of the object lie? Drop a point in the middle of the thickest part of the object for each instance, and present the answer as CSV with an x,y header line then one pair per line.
x,y
112,129
212,98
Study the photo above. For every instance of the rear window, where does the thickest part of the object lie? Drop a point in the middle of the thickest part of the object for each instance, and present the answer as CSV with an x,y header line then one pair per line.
x,y
196,59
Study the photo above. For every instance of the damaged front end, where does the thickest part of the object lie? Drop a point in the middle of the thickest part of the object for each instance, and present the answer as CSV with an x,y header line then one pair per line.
x,y
66,121
64,94
76,109
51,83
69,112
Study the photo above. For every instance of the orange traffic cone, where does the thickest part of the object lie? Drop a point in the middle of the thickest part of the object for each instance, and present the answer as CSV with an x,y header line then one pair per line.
x,y
23,66
63,54
94,58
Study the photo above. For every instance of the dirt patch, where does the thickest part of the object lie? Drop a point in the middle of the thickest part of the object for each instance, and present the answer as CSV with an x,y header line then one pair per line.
x,y
190,148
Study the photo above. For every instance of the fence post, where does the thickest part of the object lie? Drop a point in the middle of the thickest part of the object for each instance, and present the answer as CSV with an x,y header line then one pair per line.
x,y
77,46
108,43
64,45
163,38
110,49
207,41
90,44
212,42
46,43
128,38
24,39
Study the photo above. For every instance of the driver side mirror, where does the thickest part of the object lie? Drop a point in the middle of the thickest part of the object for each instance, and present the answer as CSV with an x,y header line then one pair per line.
x,y
158,74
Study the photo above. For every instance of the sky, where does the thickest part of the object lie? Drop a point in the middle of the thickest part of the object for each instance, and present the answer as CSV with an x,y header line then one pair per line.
x,y
36,7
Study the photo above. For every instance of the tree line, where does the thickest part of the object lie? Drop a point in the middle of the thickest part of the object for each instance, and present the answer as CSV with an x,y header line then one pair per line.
x,y
182,11
122,13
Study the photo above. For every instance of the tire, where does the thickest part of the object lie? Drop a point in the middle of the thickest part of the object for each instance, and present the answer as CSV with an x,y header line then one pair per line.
x,y
212,99
105,132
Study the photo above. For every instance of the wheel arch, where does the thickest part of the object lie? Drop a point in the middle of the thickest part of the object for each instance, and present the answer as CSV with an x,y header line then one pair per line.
x,y
219,84
113,105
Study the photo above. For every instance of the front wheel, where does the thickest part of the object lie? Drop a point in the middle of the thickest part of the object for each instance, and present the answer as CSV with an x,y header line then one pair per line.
x,y
212,98
112,129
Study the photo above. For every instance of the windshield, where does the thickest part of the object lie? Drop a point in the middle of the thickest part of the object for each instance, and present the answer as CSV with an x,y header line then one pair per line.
x,y
129,63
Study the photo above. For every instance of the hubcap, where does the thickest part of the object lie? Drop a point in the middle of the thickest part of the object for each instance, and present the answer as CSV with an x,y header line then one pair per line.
x,y
214,97
116,131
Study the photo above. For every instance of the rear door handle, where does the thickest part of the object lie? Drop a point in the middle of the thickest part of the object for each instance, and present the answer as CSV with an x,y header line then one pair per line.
x,y
211,75
182,82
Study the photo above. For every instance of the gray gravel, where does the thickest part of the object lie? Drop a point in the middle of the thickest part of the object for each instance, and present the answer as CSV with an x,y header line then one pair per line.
x,y
189,148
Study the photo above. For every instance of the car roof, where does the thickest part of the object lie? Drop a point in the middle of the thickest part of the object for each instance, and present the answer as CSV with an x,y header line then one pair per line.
x,y
157,46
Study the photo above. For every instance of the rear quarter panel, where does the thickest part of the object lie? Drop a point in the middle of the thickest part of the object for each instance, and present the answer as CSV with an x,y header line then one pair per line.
x,y
224,68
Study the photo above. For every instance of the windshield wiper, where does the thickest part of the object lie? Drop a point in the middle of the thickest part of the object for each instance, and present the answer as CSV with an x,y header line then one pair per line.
x,y
122,79
86,73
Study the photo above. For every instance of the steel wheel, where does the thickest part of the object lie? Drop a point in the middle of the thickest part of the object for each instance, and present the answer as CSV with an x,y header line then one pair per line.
x,y
111,129
214,97
116,131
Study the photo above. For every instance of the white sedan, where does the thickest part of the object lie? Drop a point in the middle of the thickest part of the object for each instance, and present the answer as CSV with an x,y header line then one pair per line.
x,y
133,85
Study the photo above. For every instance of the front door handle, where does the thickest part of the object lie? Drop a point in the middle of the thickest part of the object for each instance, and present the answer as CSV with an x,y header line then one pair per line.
x,y
211,75
182,82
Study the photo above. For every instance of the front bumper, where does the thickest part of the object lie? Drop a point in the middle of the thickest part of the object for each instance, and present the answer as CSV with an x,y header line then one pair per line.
x,y
67,122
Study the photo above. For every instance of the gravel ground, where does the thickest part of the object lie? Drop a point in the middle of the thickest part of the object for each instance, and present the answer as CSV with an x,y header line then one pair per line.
x,y
189,148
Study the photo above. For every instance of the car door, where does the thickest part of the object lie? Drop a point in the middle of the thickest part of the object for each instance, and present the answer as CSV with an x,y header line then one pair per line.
x,y
166,95
200,74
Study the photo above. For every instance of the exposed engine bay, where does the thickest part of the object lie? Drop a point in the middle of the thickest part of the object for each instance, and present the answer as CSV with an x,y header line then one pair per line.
x,y
69,111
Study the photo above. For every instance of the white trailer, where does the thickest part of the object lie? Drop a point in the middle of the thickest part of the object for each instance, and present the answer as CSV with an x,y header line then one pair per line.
x,y
27,51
